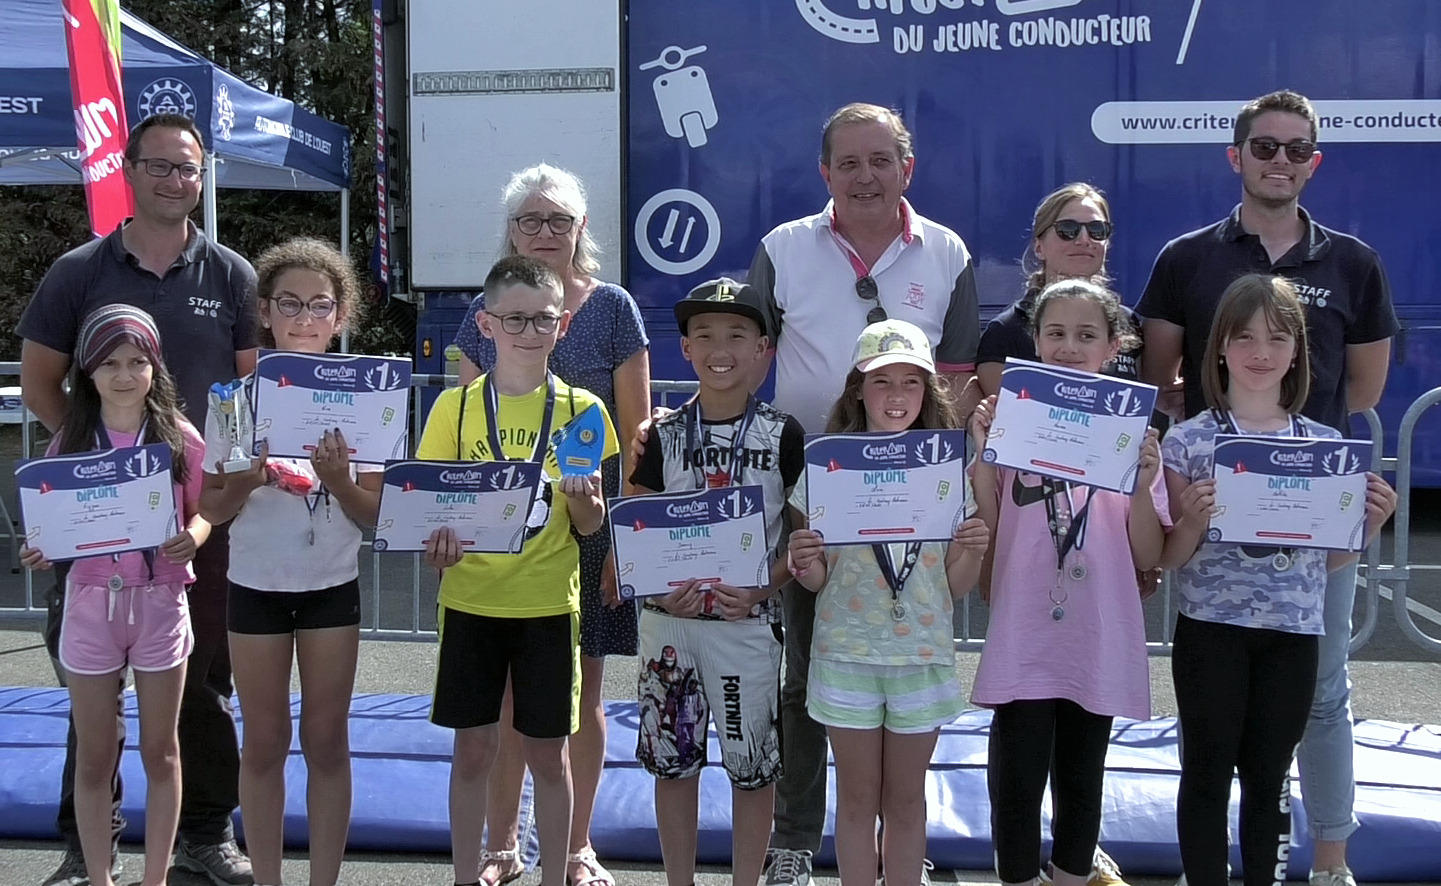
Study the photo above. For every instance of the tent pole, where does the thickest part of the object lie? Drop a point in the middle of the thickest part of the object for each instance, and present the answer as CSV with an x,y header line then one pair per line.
x,y
345,251
209,213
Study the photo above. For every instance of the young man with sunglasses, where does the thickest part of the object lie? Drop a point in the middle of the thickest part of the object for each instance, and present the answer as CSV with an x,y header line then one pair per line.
x,y
868,255
1350,321
202,296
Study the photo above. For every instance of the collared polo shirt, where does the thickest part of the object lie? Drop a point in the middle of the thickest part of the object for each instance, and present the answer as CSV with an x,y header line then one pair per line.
x,y
204,307
1339,278
808,283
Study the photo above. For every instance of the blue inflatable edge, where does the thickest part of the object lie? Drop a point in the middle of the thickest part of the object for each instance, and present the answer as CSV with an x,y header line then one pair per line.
x,y
401,766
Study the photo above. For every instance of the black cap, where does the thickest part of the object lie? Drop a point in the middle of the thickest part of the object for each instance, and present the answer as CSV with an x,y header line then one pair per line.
x,y
723,296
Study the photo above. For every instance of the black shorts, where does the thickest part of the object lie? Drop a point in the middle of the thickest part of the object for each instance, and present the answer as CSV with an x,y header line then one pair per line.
x,y
285,612
541,656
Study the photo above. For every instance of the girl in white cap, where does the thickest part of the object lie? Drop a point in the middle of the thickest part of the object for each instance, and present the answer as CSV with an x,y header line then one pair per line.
x,y
1065,649
882,674
130,608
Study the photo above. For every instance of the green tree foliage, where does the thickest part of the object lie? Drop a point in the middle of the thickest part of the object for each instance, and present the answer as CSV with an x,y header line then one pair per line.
x,y
317,53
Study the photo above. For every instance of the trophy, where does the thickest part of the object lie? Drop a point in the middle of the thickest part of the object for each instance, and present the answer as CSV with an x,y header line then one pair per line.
x,y
232,414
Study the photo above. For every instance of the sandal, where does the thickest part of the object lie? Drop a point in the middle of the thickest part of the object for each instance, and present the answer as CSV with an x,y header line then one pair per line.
x,y
596,874
508,858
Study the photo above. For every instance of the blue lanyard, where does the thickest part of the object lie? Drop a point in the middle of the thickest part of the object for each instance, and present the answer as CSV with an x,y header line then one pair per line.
x,y
695,451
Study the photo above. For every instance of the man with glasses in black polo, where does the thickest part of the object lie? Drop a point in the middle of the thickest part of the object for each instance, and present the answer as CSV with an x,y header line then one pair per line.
x,y
867,256
202,296
1349,320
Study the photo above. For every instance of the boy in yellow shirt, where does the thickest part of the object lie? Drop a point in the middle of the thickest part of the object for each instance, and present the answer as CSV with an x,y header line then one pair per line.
x,y
514,616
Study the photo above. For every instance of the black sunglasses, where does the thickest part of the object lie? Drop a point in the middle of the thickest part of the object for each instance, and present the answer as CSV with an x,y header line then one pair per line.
x,y
1298,151
1070,229
866,288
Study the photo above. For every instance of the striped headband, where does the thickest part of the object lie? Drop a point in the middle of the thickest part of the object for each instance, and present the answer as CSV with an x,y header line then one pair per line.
x,y
111,326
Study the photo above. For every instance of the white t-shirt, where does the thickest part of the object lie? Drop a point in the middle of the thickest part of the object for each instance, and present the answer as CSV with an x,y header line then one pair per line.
x,y
270,539
808,282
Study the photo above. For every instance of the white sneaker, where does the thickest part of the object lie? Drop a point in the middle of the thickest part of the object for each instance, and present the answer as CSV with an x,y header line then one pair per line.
x,y
1105,871
1341,876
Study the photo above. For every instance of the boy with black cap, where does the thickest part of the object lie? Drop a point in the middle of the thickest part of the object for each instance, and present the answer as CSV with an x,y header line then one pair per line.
x,y
712,646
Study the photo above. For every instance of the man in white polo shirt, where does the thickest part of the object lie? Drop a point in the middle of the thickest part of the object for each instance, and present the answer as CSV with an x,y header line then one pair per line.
x,y
865,257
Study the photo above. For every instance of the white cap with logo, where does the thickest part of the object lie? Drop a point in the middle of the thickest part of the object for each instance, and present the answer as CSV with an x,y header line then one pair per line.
x,y
892,341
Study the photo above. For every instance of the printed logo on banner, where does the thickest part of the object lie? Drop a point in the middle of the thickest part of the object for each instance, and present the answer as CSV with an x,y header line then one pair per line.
x,y
166,96
963,26
224,111
687,107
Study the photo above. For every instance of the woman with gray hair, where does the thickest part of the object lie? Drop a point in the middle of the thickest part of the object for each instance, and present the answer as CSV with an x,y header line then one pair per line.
x,y
605,351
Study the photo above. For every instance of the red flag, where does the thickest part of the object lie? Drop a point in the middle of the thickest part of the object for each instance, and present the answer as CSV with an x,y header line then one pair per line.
x,y
92,37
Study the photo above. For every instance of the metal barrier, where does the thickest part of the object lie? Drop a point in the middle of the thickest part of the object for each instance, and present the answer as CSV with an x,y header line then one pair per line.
x,y
422,588
1399,573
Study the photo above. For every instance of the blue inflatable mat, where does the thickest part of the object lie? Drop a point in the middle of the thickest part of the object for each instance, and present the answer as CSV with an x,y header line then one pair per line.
x,y
402,763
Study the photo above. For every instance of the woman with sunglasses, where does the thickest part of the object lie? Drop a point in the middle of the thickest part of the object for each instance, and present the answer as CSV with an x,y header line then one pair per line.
x,y
1071,232
605,351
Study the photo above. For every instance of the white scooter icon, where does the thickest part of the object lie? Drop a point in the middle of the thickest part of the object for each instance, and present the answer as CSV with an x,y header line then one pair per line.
x,y
683,96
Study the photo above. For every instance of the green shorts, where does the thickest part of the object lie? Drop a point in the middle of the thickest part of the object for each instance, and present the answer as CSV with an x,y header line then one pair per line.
x,y
902,698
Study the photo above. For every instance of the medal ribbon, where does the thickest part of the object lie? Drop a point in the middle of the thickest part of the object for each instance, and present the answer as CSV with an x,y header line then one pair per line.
x,y
102,441
736,464
1228,425
1075,536
896,579
492,410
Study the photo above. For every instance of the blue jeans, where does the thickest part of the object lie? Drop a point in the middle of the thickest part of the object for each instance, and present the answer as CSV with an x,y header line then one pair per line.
x,y
1325,756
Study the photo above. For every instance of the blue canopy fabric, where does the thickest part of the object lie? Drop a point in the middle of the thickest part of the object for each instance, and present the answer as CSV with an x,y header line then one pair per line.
x,y
259,140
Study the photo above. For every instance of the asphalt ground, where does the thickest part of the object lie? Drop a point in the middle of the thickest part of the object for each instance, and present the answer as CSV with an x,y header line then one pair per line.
x,y
1395,679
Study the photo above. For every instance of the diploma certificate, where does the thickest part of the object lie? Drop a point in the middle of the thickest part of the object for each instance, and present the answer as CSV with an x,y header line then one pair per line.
x,y
98,503
716,535
1290,492
879,488
487,503
298,397
1070,425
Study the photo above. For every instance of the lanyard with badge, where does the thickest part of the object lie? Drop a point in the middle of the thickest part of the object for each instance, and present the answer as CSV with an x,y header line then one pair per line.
x,y
896,578
491,399
102,441
1281,558
1067,527
695,451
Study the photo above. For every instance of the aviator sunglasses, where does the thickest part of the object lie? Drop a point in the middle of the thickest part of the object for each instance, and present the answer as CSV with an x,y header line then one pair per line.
x,y
1070,229
868,291
1298,151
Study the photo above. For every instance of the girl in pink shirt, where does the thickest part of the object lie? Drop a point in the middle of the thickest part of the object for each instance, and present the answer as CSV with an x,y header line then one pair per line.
x,y
127,609
1066,648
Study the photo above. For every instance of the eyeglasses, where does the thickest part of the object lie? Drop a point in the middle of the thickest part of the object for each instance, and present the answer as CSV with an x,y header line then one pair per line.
x,y
530,225
868,291
1069,229
159,167
1298,151
319,308
515,324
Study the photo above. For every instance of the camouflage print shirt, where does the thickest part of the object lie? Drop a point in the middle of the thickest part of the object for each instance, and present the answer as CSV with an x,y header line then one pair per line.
x,y
1235,584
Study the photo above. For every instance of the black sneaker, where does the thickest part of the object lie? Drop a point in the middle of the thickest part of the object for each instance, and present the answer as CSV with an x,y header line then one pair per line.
x,y
72,869
788,867
222,862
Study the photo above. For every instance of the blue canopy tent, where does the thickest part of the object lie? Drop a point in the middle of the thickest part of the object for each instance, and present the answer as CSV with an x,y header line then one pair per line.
x,y
255,139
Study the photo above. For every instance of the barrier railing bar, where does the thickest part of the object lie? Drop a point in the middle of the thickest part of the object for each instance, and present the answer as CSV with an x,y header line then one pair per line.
x,y
663,391
1401,577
